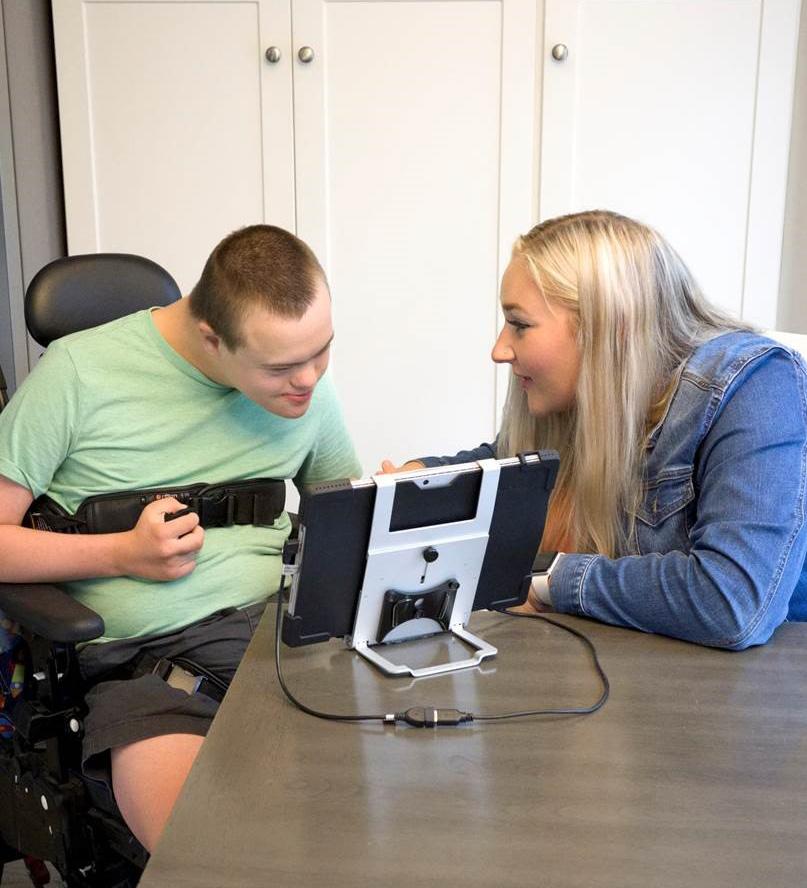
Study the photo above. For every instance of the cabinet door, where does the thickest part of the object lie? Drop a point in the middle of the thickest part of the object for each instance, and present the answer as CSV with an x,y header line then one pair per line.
x,y
414,147
677,113
175,127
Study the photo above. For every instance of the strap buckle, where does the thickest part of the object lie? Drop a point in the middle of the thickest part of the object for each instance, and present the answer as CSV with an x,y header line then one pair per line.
x,y
176,676
215,511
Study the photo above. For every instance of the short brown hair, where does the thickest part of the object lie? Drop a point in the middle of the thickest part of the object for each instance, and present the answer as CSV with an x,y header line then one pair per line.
x,y
257,265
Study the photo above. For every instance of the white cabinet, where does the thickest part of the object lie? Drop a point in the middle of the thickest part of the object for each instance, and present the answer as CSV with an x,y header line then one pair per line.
x,y
413,146
401,151
678,113
175,129
406,151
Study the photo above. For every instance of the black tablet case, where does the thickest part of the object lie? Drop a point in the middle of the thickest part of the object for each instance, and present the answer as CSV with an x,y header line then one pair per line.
x,y
337,517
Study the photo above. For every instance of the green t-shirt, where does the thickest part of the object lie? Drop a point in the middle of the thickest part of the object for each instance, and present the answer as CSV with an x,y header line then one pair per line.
x,y
115,408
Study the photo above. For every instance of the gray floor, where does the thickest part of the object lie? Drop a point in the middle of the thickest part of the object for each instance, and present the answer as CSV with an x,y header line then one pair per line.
x,y
16,876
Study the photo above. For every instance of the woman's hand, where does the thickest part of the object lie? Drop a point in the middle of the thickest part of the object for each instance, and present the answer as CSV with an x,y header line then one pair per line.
x,y
389,468
533,605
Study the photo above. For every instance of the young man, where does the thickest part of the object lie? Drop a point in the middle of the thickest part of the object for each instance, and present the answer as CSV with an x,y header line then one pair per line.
x,y
227,385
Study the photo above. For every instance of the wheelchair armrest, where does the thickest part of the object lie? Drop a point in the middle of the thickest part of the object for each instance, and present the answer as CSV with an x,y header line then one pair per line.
x,y
49,612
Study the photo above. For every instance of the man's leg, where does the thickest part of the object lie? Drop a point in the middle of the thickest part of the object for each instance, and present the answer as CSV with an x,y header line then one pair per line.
x,y
146,779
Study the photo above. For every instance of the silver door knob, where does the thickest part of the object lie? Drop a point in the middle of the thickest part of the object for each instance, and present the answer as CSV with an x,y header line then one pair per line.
x,y
273,55
305,54
559,52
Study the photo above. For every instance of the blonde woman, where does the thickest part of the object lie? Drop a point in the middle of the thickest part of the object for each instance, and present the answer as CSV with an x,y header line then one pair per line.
x,y
680,503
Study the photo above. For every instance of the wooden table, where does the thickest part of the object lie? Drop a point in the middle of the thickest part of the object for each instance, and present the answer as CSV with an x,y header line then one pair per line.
x,y
694,773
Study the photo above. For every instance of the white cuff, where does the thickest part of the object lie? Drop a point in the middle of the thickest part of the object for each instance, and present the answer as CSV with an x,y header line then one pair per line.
x,y
540,588
540,582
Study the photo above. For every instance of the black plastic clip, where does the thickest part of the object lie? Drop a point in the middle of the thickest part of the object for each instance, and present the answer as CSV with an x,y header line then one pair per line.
x,y
433,604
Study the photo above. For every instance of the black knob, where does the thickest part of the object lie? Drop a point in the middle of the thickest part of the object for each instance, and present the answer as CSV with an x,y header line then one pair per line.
x,y
430,554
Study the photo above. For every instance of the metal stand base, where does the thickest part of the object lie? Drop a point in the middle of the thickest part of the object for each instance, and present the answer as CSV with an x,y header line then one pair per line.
x,y
483,650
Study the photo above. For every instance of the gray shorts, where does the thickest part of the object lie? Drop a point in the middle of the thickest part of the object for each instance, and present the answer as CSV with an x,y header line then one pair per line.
x,y
123,711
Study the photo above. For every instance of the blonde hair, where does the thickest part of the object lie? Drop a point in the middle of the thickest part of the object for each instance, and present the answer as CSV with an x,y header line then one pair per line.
x,y
639,314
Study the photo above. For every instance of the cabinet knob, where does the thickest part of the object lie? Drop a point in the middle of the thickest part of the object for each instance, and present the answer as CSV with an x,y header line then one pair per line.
x,y
273,55
305,54
559,52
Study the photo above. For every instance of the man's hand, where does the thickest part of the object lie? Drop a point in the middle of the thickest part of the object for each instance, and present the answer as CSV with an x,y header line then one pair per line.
x,y
156,549
389,468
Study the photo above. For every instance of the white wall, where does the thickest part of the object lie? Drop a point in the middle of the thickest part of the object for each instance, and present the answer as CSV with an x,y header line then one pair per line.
x,y
793,293
32,207
36,183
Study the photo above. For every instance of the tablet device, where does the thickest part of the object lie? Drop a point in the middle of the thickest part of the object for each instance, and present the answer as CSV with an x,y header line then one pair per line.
x,y
336,521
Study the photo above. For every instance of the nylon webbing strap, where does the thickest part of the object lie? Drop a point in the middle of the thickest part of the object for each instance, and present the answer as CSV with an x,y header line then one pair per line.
x,y
39,519
176,675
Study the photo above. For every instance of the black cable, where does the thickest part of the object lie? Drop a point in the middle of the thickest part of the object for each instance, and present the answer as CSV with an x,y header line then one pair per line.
x,y
428,716
308,709
581,710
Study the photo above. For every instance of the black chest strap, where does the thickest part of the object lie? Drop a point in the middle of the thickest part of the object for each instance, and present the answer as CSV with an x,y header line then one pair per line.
x,y
257,501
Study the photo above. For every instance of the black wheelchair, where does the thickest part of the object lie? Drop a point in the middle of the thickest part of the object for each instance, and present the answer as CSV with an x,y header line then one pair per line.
x,y
48,811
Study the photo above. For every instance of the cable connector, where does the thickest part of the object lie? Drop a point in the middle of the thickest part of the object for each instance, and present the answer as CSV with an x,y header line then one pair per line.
x,y
290,549
289,564
430,717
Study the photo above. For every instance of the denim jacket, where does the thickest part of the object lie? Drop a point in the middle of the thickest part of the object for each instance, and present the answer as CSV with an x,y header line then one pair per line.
x,y
717,555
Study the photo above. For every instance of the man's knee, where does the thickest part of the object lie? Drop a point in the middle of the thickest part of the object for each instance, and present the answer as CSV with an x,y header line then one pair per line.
x,y
147,777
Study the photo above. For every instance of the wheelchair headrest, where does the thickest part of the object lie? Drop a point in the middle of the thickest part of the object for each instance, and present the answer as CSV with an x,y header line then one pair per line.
x,y
3,390
78,292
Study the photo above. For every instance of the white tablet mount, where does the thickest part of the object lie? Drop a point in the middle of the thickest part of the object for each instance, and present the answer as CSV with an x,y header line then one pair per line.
x,y
422,581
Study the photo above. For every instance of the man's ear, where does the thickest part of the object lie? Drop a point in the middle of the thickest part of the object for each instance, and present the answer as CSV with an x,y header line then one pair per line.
x,y
211,341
